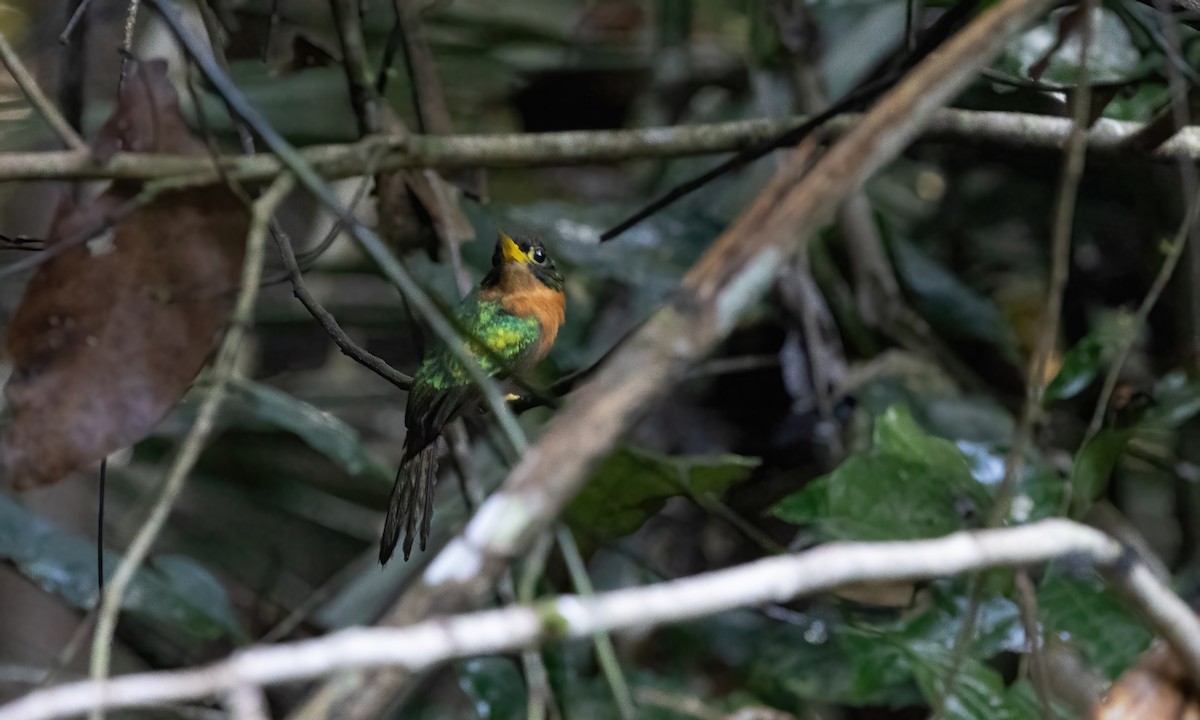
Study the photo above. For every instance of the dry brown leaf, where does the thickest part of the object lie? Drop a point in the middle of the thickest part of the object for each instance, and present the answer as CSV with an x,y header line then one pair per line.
x,y
110,334
1157,688
419,210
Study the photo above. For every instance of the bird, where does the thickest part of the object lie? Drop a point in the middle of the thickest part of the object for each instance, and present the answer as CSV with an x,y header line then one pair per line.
x,y
510,322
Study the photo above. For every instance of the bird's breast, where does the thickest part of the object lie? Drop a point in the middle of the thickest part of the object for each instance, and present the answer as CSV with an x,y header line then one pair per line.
x,y
548,306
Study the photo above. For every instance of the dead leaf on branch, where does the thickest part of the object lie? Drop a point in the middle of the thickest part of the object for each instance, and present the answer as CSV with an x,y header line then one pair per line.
x,y
419,210
111,333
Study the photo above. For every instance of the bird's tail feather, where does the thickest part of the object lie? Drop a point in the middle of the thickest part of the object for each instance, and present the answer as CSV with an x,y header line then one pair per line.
x,y
412,502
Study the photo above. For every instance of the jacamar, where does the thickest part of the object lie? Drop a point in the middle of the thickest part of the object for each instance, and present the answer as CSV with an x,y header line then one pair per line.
x,y
509,322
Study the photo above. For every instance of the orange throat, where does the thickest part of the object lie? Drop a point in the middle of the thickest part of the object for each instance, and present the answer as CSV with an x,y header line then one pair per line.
x,y
523,295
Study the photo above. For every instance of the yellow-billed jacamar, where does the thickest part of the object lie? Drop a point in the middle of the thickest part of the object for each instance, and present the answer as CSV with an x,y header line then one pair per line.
x,y
510,322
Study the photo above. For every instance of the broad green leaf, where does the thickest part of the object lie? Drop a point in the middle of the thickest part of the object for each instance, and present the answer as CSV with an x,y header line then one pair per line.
x,y
909,484
898,435
1094,465
253,405
1080,366
630,486
831,659
1176,401
198,585
183,594
495,687
1082,611
952,308
979,691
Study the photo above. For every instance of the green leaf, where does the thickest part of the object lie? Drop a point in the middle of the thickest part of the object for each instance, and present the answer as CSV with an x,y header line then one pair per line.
x,y
951,307
979,691
253,405
909,484
1094,466
1080,366
1176,400
191,580
494,686
183,595
630,486
1082,611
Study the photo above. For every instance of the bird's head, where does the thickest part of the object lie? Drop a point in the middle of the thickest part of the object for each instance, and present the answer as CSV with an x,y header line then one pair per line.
x,y
518,260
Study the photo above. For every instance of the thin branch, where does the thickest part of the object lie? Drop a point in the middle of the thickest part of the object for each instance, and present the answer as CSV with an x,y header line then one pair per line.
x,y
39,101
1002,131
777,579
351,349
606,654
127,39
354,61
427,99
1028,605
76,17
729,278
189,452
1074,155
1180,116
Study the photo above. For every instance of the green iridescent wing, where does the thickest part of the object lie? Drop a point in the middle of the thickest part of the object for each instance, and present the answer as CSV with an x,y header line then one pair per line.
x,y
442,386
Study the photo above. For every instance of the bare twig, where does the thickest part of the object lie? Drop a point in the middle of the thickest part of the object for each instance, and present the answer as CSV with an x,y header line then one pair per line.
x,y
351,349
776,579
1028,606
354,61
76,17
427,96
39,101
606,654
189,452
998,130
127,40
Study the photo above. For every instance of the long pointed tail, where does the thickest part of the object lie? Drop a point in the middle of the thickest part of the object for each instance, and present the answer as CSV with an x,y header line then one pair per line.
x,y
412,501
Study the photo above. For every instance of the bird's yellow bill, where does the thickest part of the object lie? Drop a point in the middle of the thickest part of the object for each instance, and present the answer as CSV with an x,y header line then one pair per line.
x,y
512,252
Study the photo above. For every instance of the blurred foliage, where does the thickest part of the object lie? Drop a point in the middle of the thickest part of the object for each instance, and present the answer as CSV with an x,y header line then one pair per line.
x,y
750,452
908,485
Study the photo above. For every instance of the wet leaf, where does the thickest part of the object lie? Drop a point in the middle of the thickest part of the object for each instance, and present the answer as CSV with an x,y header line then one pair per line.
x,y
1094,466
951,307
1176,401
1083,612
1080,366
253,405
630,486
179,592
494,686
909,484
979,691
192,581
110,333
836,659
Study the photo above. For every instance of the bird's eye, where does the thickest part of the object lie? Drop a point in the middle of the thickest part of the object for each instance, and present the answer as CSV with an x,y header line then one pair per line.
x,y
539,256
